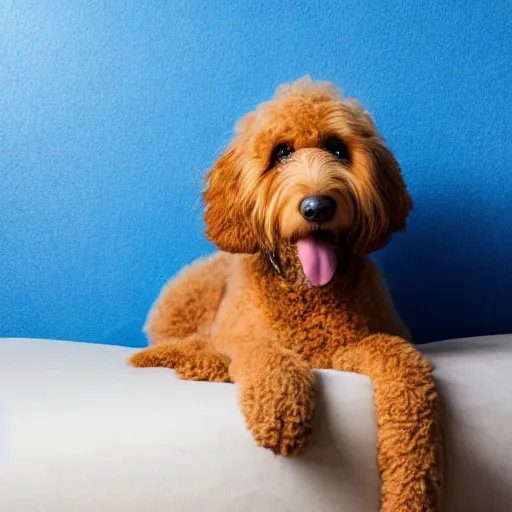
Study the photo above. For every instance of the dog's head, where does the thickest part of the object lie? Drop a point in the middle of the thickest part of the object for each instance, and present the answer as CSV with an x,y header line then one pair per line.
x,y
307,171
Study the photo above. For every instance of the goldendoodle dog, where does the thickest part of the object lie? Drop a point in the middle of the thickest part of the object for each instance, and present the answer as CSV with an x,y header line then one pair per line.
x,y
305,191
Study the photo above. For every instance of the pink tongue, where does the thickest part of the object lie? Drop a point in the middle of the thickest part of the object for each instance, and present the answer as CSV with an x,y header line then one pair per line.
x,y
318,260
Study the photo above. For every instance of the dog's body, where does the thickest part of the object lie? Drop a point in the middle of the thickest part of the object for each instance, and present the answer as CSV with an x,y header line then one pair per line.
x,y
297,291
208,298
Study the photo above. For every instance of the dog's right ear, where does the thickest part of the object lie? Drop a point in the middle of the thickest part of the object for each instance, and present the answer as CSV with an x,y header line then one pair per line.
x,y
226,214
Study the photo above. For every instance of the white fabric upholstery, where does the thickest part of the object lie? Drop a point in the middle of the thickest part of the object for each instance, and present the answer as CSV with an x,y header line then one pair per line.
x,y
82,431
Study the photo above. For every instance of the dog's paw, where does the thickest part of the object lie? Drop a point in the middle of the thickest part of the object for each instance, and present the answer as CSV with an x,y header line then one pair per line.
x,y
191,360
279,408
160,355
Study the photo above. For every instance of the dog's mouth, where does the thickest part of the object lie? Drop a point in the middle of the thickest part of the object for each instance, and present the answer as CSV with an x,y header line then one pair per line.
x,y
318,256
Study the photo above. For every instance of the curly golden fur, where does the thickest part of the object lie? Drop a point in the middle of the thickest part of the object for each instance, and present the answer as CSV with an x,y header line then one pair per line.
x,y
251,313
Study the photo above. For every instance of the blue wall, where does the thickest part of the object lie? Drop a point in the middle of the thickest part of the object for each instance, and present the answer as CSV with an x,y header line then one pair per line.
x,y
110,112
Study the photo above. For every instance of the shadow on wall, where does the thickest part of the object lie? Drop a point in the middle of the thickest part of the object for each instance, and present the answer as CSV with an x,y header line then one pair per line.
x,y
446,281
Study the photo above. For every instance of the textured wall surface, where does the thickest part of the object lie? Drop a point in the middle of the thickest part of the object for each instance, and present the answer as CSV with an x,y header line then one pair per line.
x,y
110,112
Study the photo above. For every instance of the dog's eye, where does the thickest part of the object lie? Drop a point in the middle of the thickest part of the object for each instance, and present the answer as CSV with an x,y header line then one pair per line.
x,y
281,153
338,148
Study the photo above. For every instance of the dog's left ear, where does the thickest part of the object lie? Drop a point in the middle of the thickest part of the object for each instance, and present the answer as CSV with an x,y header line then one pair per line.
x,y
227,213
384,201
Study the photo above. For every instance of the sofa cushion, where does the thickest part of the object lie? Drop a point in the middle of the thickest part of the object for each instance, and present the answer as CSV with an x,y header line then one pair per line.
x,y
80,430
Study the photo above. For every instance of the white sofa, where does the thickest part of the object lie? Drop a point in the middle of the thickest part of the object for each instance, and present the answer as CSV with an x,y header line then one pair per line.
x,y
82,431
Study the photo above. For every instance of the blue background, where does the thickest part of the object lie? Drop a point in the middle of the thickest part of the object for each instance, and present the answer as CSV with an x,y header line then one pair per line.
x,y
110,112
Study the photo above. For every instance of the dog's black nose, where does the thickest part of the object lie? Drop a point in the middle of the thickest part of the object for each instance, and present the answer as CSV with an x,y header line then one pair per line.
x,y
318,208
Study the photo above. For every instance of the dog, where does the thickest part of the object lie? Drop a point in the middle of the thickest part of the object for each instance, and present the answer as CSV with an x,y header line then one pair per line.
x,y
305,191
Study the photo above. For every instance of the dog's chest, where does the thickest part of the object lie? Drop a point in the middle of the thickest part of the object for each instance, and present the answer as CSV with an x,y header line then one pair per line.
x,y
316,322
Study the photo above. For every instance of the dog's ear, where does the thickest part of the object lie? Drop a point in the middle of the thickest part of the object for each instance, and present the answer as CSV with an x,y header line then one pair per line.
x,y
227,213
383,200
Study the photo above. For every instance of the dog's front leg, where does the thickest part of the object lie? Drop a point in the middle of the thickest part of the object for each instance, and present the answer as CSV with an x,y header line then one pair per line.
x,y
277,394
410,451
